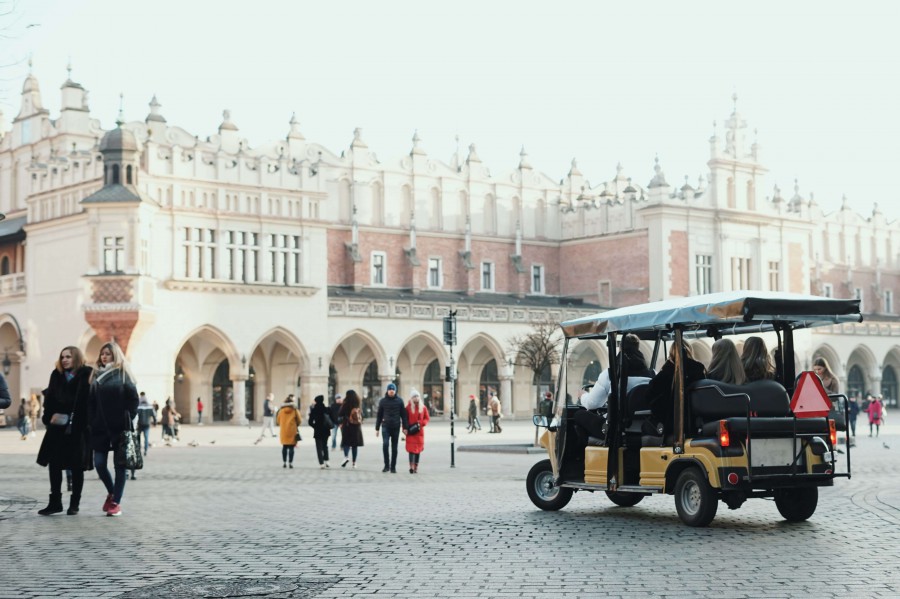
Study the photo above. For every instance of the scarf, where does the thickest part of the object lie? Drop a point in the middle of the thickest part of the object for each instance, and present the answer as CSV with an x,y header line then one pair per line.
x,y
103,373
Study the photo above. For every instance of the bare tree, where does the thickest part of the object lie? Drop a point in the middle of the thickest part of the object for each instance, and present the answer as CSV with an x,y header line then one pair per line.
x,y
536,350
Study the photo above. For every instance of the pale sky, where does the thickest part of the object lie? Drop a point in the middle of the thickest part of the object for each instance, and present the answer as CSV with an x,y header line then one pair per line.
x,y
604,82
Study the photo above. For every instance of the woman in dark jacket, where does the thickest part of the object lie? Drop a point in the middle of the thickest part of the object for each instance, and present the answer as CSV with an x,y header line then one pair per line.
x,y
661,395
66,444
320,421
351,426
113,405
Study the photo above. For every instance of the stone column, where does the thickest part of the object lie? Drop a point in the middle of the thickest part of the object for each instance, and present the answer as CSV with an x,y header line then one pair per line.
x,y
506,393
240,398
312,385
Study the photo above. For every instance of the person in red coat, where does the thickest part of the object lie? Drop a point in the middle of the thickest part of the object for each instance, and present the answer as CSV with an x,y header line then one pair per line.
x,y
417,414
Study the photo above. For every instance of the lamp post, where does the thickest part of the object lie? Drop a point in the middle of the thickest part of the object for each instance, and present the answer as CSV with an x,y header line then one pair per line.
x,y
450,340
7,365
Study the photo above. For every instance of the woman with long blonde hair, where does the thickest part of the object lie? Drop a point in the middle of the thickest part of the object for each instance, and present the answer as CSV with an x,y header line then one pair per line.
x,y
726,364
114,402
829,381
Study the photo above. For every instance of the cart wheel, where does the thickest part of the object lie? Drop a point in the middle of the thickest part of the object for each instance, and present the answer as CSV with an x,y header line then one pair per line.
x,y
541,490
624,499
694,498
797,505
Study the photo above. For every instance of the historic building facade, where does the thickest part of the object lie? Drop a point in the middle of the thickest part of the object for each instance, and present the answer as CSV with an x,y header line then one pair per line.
x,y
228,271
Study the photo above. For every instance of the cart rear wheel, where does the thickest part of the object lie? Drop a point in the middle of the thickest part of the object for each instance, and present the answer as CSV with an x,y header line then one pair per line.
x,y
695,500
541,490
624,499
797,505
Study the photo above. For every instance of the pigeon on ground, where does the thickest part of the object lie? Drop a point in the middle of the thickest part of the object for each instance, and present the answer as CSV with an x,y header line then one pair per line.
x,y
193,444
213,442
885,445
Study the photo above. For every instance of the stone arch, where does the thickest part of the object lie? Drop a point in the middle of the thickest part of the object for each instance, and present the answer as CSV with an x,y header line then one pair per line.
x,y
279,362
351,357
416,354
863,357
198,357
584,356
474,355
12,345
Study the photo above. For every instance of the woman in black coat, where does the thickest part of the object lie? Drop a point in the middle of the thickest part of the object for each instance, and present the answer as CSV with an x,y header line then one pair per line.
x,y
66,444
113,405
660,393
320,421
351,427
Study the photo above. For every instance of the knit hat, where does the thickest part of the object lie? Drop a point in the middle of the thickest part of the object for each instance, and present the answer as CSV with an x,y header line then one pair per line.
x,y
289,400
472,397
319,399
414,393
391,387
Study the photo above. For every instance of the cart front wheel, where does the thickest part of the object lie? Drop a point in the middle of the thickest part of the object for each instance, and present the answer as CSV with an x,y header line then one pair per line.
x,y
541,490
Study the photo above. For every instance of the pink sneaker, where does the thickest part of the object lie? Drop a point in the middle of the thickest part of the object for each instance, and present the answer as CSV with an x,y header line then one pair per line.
x,y
114,509
108,503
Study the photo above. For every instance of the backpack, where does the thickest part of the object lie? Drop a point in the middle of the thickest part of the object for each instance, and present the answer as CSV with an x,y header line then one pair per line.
x,y
355,416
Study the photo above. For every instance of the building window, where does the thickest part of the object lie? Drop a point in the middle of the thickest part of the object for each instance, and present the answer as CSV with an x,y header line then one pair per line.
x,y
284,259
888,302
113,254
703,263
434,273
199,253
828,290
740,273
240,256
378,268
774,275
537,278
487,276
858,294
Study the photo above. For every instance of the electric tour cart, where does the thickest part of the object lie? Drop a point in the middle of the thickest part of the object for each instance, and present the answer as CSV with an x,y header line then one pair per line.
x,y
772,438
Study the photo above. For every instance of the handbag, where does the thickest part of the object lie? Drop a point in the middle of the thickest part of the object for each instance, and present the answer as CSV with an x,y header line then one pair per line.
x,y
414,429
59,419
126,453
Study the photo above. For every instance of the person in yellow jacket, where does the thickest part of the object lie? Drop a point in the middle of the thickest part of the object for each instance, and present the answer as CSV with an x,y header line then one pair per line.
x,y
288,419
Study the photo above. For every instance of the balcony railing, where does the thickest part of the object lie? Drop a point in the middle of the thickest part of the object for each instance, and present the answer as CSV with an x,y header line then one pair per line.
x,y
12,285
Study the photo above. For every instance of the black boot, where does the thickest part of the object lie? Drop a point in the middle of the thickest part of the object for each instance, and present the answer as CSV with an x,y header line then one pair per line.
x,y
54,506
74,501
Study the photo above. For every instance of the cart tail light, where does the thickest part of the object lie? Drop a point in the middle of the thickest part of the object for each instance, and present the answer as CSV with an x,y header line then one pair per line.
x,y
724,436
832,432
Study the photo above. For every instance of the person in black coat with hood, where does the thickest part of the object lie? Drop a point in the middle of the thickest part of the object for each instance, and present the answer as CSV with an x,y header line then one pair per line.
x,y
320,421
392,415
66,444
113,405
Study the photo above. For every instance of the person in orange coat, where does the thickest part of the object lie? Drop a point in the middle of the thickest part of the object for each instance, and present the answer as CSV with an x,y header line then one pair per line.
x,y
289,425
417,414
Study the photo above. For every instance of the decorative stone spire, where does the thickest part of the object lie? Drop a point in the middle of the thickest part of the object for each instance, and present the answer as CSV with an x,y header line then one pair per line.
x,y
845,205
776,196
619,170
357,139
31,96
659,178
295,133
155,116
120,118
416,149
573,170
473,156
523,159
227,125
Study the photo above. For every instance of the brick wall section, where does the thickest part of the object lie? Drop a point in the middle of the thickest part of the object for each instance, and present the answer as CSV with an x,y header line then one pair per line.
x,y
621,259
796,277
113,325
679,263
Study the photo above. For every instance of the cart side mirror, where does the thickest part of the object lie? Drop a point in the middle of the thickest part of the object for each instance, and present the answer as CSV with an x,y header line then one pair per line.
x,y
540,420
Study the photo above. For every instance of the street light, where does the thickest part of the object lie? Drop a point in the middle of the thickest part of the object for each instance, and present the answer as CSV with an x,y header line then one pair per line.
x,y
6,364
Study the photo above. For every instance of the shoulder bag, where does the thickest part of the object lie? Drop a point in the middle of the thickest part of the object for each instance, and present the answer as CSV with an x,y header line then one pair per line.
x,y
126,453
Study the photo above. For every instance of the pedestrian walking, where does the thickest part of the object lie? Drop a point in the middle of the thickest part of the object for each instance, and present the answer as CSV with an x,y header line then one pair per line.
x,y
876,414
155,412
144,419
417,418
496,414
66,444
24,424
350,415
474,424
334,412
199,411
113,404
288,428
170,418
854,413
392,417
268,417
320,421
34,411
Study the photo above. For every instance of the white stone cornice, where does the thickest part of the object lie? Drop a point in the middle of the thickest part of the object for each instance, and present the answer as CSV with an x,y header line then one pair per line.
x,y
419,310
239,288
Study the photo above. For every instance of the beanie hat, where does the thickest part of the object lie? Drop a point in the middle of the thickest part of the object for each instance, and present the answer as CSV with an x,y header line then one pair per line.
x,y
414,393
391,387
472,397
319,399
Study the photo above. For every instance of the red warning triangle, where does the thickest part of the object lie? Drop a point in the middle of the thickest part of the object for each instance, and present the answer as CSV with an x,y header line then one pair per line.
x,y
810,399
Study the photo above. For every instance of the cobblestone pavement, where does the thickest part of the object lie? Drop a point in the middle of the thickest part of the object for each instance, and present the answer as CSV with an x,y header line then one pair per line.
x,y
226,520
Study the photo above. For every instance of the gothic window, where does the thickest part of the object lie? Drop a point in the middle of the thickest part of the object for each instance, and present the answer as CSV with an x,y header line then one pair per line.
x,y
284,259
434,273
199,246
487,276
379,276
240,255
115,174
774,275
537,278
888,302
128,175
703,265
